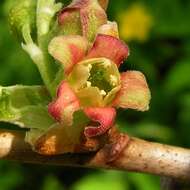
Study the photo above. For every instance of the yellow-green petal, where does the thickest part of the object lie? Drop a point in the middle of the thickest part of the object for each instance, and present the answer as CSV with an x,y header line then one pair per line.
x,y
111,95
79,76
90,96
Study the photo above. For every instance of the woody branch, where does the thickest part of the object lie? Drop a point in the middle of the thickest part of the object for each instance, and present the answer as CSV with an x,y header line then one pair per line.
x,y
138,155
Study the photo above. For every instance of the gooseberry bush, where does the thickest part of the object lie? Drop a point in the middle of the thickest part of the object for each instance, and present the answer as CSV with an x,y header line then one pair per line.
x,y
78,53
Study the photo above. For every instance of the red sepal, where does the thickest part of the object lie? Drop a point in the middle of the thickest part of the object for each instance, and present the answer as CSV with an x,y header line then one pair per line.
x,y
104,116
66,98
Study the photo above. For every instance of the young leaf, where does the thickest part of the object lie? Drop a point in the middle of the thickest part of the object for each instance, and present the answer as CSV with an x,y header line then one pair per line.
x,y
25,106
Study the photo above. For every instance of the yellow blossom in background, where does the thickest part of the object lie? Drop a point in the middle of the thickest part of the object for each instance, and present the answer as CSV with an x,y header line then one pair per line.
x,y
135,23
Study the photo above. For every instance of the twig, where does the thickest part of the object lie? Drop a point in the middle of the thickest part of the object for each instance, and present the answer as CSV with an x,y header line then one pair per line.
x,y
138,155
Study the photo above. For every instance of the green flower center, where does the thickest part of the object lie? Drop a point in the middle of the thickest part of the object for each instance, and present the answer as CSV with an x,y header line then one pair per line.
x,y
95,81
98,77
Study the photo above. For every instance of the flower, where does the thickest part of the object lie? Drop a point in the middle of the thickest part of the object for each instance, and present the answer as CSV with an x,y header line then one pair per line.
x,y
91,55
92,79
135,23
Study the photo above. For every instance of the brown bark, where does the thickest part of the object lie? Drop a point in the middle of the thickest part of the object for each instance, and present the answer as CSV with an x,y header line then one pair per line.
x,y
138,155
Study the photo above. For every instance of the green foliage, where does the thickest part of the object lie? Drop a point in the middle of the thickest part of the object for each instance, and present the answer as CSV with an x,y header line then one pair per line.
x,y
165,60
25,106
10,175
178,78
52,183
173,22
102,180
144,182
22,13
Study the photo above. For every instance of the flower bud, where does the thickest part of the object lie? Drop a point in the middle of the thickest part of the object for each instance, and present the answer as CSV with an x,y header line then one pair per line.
x,y
82,17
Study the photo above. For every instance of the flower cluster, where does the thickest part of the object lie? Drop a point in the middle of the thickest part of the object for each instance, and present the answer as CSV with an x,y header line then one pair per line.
x,y
89,48
78,54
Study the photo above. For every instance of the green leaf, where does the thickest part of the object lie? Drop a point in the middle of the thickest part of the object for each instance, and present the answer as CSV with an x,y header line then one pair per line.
x,y
25,106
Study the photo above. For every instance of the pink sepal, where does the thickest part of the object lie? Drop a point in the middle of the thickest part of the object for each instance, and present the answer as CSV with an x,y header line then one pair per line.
x,y
109,47
134,92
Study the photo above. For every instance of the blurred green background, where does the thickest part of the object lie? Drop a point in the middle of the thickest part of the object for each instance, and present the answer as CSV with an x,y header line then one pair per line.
x,y
158,34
